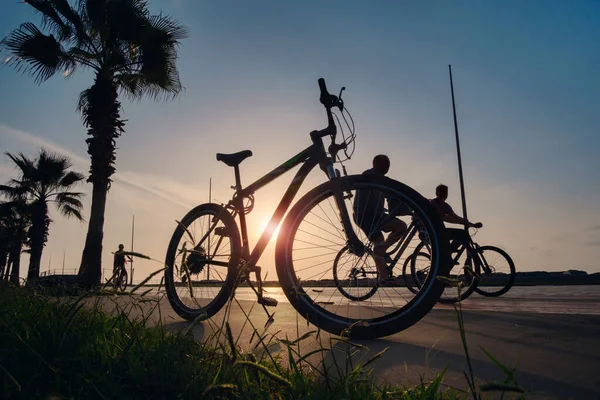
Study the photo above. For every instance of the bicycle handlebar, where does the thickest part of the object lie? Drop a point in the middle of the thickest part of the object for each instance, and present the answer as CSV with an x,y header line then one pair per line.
x,y
323,88
329,101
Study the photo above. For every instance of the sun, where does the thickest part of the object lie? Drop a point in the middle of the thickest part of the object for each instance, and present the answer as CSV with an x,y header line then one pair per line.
x,y
263,224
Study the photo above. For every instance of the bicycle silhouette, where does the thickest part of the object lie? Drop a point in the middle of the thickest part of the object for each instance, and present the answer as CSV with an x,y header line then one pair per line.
x,y
487,270
209,257
118,280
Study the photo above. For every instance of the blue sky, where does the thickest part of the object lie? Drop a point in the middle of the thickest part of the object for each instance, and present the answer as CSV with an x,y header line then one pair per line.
x,y
527,90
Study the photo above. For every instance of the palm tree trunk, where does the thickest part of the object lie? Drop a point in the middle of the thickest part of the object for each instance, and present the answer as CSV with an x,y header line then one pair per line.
x,y
36,237
101,116
7,272
3,262
15,261
90,270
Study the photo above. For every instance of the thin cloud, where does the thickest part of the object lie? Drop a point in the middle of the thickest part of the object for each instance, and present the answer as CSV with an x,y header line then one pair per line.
x,y
41,142
148,183
559,237
593,243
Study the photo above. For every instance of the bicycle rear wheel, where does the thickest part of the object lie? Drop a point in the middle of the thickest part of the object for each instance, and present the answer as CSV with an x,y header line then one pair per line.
x,y
460,282
202,262
497,272
312,235
461,279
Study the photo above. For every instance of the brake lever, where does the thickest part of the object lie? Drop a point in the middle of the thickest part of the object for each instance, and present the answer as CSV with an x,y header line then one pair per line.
x,y
341,102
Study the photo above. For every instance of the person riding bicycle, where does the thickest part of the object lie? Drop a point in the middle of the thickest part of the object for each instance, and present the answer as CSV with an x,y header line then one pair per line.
x,y
373,219
119,261
447,214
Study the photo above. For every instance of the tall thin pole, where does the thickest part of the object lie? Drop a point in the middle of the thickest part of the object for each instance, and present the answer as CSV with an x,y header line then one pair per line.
x,y
49,263
208,251
131,262
64,255
460,171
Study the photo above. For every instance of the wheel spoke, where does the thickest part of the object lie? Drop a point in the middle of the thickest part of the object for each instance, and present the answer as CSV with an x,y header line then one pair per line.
x,y
346,286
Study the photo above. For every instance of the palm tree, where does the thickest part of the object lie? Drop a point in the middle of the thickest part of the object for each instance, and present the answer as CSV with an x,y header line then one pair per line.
x,y
42,181
14,222
130,52
5,241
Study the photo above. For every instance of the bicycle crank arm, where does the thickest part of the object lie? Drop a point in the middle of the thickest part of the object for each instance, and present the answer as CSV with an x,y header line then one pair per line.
x,y
264,302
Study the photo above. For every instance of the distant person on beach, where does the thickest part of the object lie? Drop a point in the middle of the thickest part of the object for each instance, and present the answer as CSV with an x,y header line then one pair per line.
x,y
119,260
372,218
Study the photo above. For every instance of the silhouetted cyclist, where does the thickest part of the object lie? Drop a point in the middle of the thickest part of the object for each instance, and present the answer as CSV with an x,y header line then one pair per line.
x,y
119,261
372,218
448,215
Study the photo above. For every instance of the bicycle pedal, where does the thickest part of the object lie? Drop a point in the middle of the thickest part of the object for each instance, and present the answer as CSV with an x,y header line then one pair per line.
x,y
267,301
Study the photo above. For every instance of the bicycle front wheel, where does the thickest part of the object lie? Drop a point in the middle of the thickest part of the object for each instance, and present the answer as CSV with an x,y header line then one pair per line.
x,y
355,277
202,262
122,282
497,272
311,237
415,269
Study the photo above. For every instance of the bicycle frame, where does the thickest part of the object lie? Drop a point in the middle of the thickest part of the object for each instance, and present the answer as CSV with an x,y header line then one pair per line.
x,y
309,158
478,260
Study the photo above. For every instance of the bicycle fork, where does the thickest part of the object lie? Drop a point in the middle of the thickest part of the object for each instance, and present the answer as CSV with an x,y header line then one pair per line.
x,y
355,245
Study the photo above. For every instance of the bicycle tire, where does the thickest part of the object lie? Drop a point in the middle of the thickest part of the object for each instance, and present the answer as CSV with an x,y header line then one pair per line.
x,y
233,259
446,297
343,290
407,272
122,283
511,276
361,328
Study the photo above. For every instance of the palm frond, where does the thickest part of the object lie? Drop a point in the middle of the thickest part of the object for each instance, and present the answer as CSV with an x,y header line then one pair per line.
x,y
69,199
83,102
81,56
33,52
50,168
70,178
157,74
70,211
70,14
94,13
52,20
153,70
24,164
171,27
15,211
125,19
77,195
54,161
14,193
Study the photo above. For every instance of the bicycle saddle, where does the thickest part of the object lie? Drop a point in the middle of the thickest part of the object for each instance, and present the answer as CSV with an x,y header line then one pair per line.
x,y
234,159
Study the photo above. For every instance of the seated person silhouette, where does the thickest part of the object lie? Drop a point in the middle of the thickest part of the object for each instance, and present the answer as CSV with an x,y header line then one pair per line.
x,y
372,218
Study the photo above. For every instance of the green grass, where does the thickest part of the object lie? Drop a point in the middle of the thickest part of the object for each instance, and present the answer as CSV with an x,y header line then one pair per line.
x,y
68,348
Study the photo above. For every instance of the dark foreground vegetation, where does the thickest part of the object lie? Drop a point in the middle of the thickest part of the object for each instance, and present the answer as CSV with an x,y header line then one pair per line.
x,y
68,348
